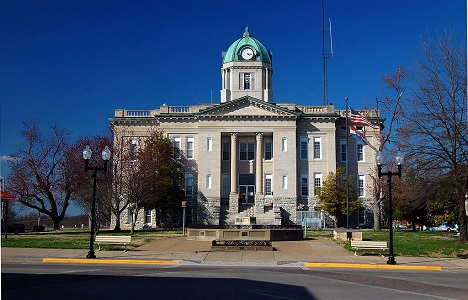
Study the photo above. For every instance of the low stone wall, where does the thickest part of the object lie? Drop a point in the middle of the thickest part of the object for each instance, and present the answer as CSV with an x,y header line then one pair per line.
x,y
245,234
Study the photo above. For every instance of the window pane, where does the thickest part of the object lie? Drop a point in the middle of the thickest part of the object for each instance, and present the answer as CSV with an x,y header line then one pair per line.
x,y
243,151
226,151
360,152
268,151
317,148
304,185
251,151
208,181
285,182
268,188
189,184
303,148
209,144
189,148
247,81
148,216
284,144
343,150
361,186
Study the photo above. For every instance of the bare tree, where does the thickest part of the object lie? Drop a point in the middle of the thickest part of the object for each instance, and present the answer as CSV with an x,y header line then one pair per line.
x,y
391,106
125,152
41,176
84,181
434,132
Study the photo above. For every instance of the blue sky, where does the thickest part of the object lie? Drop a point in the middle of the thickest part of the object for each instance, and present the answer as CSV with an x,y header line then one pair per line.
x,y
74,62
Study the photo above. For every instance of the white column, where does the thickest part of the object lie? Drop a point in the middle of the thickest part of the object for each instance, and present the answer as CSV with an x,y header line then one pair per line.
x,y
259,164
233,163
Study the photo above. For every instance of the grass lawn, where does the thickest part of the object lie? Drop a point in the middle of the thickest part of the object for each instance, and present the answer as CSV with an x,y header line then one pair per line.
x,y
79,239
407,243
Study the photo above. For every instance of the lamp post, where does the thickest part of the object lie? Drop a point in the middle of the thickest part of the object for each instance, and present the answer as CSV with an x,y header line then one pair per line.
x,y
87,153
399,161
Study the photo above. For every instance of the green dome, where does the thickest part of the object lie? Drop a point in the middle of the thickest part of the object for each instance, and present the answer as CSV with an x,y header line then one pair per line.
x,y
261,53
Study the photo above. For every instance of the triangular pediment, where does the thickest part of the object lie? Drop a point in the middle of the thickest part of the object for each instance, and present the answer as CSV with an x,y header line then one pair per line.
x,y
247,107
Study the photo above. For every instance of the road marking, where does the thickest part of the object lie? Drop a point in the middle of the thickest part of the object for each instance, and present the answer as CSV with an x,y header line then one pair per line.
x,y
369,266
110,261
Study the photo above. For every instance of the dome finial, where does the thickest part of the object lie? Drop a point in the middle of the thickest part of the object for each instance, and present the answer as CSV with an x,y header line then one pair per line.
x,y
246,33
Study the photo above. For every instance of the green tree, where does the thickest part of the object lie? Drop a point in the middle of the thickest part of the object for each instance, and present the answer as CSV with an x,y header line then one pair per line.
x,y
332,196
157,180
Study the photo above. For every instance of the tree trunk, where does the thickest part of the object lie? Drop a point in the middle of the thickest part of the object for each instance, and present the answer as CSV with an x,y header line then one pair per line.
x,y
56,223
377,215
117,222
463,238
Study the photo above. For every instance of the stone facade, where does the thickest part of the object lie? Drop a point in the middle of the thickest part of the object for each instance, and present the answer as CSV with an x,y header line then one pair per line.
x,y
249,155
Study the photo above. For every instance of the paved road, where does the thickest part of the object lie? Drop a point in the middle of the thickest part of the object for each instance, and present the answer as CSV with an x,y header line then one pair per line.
x,y
200,281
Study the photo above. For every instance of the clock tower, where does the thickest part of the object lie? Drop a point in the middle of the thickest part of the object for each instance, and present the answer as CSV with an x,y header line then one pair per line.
x,y
247,70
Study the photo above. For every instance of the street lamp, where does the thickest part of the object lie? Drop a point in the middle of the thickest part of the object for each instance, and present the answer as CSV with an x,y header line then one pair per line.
x,y
399,161
87,153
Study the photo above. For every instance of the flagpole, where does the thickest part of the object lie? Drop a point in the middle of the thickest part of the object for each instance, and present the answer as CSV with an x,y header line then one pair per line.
x,y
347,164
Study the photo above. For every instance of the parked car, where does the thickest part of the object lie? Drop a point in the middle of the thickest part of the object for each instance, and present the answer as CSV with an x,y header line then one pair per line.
x,y
444,227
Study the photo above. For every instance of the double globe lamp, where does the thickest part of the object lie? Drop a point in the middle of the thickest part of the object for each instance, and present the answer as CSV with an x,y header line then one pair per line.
x,y
380,162
106,155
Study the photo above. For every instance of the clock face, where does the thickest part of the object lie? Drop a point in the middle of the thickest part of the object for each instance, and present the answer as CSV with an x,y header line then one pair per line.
x,y
247,53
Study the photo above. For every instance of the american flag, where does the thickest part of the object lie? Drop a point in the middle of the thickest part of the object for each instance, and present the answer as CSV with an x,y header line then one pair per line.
x,y
357,119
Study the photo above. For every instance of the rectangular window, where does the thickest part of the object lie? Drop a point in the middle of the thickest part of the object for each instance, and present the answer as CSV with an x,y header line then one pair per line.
x,y
317,148
303,147
246,81
188,184
209,144
246,151
317,183
148,216
343,148
208,181
360,151
189,148
268,185
226,150
268,151
176,143
284,144
304,185
284,182
361,186
250,151
226,185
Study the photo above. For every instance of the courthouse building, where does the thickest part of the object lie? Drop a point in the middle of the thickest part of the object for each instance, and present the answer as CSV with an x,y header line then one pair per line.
x,y
251,154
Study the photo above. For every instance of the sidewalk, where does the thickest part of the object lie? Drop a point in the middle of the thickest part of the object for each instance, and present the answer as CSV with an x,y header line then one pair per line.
x,y
179,250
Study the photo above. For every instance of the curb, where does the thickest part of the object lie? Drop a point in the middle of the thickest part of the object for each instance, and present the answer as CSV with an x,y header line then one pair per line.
x,y
111,261
371,266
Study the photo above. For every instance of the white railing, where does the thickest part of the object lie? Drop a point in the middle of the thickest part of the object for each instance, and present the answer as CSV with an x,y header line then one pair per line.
x,y
310,219
138,113
179,109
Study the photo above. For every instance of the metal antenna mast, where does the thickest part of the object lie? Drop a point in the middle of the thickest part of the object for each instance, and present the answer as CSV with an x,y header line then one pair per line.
x,y
325,54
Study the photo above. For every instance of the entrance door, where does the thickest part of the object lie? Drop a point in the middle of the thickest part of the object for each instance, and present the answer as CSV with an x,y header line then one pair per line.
x,y
247,188
248,193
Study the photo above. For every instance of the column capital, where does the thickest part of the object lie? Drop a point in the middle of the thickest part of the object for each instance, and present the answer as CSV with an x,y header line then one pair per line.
x,y
259,135
234,136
